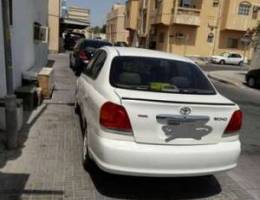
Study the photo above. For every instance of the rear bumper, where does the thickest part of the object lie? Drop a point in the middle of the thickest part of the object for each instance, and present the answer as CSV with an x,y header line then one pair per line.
x,y
130,158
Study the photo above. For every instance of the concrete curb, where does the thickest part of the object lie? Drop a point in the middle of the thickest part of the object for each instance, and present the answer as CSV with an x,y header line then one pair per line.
x,y
223,80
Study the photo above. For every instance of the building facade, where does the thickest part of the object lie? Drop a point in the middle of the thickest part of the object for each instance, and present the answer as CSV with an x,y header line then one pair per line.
x,y
78,15
29,37
54,25
27,31
74,18
115,29
2,57
192,27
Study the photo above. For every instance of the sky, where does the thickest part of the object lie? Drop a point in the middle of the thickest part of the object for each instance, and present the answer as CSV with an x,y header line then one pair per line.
x,y
98,9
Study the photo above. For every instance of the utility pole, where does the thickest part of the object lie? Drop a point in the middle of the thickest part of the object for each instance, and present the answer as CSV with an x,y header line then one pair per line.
x,y
10,100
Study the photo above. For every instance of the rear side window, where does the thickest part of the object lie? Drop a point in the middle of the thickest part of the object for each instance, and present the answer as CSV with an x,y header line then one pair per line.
x,y
235,56
158,75
96,64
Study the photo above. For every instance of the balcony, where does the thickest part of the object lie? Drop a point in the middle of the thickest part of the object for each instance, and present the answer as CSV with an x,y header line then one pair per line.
x,y
186,16
132,14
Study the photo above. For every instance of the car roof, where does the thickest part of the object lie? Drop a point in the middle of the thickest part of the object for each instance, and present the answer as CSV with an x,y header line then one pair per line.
x,y
139,52
231,52
101,41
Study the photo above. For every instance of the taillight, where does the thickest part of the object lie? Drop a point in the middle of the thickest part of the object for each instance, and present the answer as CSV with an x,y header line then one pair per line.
x,y
113,116
235,122
82,55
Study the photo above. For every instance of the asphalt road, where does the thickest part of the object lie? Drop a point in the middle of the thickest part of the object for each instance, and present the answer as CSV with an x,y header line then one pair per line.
x,y
247,174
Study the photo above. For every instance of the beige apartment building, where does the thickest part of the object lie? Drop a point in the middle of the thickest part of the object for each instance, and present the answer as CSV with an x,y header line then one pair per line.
x,y
77,14
192,27
54,25
115,28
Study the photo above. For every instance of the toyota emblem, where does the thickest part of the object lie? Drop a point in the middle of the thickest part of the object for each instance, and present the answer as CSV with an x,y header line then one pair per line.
x,y
185,111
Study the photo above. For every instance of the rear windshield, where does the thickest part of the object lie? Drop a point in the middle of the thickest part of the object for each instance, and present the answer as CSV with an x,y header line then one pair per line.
x,y
158,75
95,44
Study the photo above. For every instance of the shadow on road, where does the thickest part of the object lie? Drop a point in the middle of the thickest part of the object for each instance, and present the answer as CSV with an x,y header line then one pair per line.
x,y
12,187
29,119
114,186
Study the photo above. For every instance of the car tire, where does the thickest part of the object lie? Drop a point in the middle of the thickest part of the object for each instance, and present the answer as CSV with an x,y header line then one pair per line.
x,y
251,82
71,65
222,62
241,63
86,160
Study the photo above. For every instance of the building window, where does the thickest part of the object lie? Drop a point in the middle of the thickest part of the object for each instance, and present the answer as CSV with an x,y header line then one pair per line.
x,y
215,3
186,4
180,36
232,43
210,37
157,4
244,8
255,12
161,37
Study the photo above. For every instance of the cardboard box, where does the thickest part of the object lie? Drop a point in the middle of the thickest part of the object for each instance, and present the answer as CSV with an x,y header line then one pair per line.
x,y
46,82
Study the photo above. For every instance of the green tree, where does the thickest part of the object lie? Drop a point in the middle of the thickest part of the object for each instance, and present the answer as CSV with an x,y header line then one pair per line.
x,y
96,29
103,29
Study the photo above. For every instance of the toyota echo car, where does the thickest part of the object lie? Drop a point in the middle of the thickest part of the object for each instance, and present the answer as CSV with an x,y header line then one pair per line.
x,y
148,113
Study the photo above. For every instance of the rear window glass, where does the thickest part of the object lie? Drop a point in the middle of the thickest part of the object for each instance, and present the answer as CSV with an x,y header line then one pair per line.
x,y
158,75
95,44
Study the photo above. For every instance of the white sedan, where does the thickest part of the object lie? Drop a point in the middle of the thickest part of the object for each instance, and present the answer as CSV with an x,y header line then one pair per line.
x,y
148,113
228,58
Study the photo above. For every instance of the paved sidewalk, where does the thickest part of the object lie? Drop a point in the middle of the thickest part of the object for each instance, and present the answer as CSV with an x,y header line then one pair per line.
x,y
236,78
48,166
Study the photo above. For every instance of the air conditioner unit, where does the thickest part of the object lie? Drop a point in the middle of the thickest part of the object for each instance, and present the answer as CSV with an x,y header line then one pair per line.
x,y
180,36
44,34
256,8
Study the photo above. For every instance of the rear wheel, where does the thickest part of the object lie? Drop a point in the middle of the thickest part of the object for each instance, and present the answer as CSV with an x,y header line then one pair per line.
x,y
222,62
241,63
71,65
251,82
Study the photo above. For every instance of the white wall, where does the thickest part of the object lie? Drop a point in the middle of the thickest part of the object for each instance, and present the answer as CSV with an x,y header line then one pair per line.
x,y
27,53
22,38
2,62
41,16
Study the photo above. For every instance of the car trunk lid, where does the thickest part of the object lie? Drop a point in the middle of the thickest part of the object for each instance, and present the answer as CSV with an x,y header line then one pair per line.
x,y
174,119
